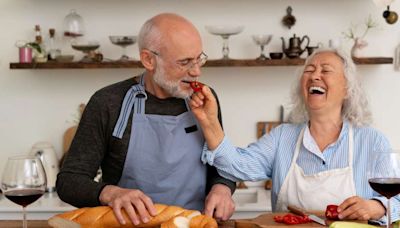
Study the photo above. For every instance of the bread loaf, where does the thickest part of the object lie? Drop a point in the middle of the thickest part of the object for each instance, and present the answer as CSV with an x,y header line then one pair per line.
x,y
103,217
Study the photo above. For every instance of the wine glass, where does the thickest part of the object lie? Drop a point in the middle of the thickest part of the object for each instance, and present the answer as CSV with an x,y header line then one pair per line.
x,y
384,176
225,32
24,181
262,40
123,41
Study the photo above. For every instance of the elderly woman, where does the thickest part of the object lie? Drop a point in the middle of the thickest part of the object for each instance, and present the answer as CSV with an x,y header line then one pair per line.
x,y
321,157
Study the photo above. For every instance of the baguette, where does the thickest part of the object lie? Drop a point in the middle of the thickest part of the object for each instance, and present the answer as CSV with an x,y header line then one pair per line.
x,y
103,217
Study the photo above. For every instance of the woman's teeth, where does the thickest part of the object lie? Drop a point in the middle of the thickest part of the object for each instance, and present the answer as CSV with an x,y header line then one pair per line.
x,y
316,90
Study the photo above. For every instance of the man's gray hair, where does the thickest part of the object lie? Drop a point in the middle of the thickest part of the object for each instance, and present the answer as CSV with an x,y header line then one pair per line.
x,y
149,36
355,105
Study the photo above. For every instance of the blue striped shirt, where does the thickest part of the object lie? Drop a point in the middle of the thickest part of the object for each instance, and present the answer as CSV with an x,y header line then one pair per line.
x,y
270,158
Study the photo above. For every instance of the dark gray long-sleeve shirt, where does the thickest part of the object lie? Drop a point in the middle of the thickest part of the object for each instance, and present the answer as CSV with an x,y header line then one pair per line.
x,y
94,146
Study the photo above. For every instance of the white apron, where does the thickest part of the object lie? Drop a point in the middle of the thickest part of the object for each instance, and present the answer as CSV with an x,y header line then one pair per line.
x,y
316,191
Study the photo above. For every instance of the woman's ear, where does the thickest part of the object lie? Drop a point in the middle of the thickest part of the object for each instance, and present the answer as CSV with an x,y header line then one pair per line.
x,y
147,59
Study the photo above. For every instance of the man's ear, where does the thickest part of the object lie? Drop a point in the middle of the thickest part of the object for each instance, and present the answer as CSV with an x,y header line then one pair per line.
x,y
147,59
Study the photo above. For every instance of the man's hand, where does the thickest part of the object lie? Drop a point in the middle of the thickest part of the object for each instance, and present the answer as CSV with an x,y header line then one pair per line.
x,y
219,202
357,208
132,200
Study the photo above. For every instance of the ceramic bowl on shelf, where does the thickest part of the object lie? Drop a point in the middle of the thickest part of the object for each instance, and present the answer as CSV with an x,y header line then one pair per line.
x,y
123,40
276,55
85,47
224,29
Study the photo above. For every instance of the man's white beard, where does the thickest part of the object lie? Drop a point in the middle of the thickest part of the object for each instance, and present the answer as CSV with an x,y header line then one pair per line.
x,y
172,87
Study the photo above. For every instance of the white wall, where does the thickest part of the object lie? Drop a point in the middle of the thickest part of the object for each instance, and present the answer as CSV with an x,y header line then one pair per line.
x,y
39,104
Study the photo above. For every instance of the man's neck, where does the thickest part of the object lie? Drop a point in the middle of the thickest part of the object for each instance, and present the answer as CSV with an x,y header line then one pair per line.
x,y
152,87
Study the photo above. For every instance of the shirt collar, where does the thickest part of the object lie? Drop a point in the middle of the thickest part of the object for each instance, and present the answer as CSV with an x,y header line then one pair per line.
x,y
310,144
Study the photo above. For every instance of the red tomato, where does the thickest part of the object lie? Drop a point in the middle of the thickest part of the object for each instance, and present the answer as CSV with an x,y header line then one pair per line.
x,y
196,86
331,212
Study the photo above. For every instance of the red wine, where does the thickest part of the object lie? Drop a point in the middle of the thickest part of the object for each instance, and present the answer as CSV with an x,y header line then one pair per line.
x,y
387,187
24,197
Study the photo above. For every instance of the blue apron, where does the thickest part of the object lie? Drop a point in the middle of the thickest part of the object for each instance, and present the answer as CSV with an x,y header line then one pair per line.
x,y
163,158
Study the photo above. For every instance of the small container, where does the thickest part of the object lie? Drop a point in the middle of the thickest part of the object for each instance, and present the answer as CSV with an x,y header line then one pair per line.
x,y
25,54
276,55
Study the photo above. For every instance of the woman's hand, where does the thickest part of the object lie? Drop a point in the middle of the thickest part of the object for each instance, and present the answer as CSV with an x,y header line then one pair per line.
x,y
357,208
205,108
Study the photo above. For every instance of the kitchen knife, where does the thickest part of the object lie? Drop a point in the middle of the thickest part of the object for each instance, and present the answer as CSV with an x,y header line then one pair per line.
x,y
299,211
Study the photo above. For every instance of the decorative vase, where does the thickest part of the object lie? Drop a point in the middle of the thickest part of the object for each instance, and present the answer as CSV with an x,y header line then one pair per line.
x,y
359,44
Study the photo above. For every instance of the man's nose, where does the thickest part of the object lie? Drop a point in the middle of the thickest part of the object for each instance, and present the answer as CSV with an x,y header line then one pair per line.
x,y
195,70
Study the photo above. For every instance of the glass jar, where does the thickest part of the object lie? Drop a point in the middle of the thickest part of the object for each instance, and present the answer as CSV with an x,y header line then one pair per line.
x,y
73,25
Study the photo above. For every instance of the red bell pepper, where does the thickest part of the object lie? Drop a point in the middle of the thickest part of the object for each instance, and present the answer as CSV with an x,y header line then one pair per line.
x,y
331,212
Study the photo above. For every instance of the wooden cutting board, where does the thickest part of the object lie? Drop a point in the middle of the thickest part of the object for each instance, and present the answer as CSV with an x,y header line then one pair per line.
x,y
266,221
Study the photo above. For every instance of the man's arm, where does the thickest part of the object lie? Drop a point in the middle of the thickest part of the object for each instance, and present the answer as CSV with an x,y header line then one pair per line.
x,y
212,175
219,202
75,184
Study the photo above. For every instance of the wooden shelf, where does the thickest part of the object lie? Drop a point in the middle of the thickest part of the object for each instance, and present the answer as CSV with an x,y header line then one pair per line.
x,y
209,63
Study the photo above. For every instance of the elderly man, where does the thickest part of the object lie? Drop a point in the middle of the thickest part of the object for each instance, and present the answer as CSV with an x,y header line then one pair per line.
x,y
144,137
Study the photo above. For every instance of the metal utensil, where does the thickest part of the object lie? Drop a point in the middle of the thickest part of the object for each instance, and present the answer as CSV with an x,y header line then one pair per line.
x,y
299,211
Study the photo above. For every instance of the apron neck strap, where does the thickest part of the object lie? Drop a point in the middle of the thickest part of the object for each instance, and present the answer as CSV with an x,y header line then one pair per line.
x,y
136,94
351,144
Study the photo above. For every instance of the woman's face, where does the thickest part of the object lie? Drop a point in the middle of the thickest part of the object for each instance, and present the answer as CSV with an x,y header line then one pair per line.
x,y
323,84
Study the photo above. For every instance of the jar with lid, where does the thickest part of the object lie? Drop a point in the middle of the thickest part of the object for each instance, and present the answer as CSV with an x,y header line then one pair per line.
x,y
73,25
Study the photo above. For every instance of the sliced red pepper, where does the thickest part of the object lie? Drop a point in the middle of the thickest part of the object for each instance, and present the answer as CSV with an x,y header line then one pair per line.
x,y
196,86
331,212
291,219
278,218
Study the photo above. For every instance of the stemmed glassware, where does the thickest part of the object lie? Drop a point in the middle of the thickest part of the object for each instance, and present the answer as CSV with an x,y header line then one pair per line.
x,y
262,40
88,48
384,176
23,181
123,41
225,32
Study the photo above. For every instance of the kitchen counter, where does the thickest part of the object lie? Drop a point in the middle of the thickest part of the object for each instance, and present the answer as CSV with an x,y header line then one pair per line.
x,y
45,207
251,202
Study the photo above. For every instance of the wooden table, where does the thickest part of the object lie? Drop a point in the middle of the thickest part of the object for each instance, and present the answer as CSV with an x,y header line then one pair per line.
x,y
267,221
18,223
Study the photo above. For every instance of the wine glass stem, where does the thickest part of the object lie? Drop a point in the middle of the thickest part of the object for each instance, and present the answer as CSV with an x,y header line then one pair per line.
x,y
388,217
225,47
24,222
124,52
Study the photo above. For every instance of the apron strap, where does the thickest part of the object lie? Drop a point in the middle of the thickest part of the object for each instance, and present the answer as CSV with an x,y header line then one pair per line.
x,y
187,104
135,94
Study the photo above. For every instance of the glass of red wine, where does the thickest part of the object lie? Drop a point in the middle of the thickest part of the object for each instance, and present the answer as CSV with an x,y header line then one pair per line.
x,y
384,176
23,181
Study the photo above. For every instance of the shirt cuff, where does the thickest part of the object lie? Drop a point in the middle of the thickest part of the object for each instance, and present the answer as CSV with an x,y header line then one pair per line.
x,y
383,201
208,155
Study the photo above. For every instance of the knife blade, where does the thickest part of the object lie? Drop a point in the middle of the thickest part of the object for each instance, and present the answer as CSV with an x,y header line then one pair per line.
x,y
301,212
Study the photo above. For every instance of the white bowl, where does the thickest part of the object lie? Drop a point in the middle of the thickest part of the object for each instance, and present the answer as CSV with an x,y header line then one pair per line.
x,y
224,29
123,40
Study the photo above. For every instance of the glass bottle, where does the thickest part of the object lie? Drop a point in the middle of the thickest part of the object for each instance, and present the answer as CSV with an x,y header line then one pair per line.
x,y
397,58
53,51
39,49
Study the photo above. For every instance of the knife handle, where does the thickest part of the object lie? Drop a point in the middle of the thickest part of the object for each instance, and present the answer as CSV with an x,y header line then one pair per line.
x,y
296,210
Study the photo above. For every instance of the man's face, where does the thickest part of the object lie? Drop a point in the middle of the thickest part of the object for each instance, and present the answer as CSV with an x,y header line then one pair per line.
x,y
172,84
178,62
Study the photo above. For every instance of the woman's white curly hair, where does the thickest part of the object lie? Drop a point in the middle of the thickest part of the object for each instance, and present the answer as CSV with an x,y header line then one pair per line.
x,y
355,105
